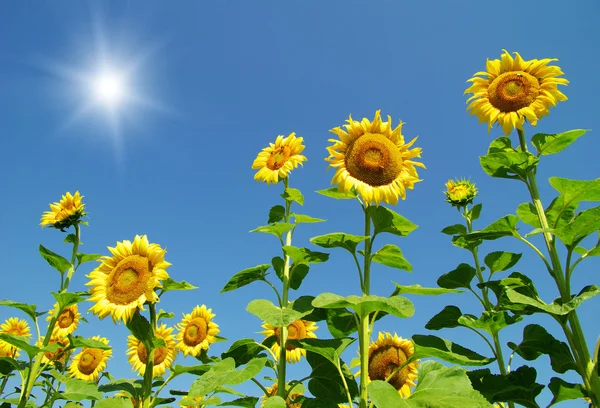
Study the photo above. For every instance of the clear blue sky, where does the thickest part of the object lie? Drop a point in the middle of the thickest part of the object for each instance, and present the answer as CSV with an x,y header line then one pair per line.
x,y
217,81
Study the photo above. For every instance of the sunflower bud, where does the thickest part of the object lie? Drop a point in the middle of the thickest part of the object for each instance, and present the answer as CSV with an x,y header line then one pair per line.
x,y
459,193
65,213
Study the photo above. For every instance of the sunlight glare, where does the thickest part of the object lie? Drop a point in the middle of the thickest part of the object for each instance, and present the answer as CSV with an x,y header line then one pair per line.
x,y
109,88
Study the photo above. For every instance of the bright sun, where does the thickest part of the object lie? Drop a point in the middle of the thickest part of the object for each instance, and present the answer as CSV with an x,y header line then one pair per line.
x,y
109,88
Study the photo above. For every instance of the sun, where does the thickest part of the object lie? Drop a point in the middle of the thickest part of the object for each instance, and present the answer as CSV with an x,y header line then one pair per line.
x,y
109,88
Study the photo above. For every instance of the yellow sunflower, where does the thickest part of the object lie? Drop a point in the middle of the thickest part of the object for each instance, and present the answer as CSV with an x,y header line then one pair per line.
x,y
459,193
90,362
373,158
196,331
290,399
68,211
298,330
276,161
67,322
388,353
512,90
59,356
15,327
125,281
163,356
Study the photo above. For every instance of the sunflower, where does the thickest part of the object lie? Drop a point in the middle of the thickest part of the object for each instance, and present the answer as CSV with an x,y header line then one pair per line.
x,y
512,90
196,331
88,364
373,158
67,321
15,327
388,353
68,211
459,193
298,330
163,356
125,281
290,399
59,356
276,161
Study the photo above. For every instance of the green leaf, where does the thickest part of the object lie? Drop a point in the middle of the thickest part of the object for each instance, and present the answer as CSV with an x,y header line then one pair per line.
x,y
419,290
141,329
277,229
70,239
55,260
554,308
246,277
198,370
508,164
339,240
319,403
537,341
462,242
276,214
129,386
433,346
67,299
390,255
461,277
338,195
325,380
558,213
501,144
297,274
563,391
305,255
386,220
384,395
243,351
247,402
547,144
276,316
278,264
585,223
491,321
364,305
446,319
78,341
225,373
275,402
164,315
575,191
504,227
293,194
528,214
500,261
8,365
518,386
24,307
341,322
331,349
114,402
83,258
305,219
170,284
79,390
21,343
456,229
475,212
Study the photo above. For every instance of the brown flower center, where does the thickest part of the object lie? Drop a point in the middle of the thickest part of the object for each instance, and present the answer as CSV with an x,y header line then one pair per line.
x,y
383,361
129,280
90,360
512,91
195,332
374,159
278,157
160,353
58,355
66,318
296,331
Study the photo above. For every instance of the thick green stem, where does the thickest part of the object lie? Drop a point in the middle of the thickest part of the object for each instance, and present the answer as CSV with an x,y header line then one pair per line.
x,y
363,326
149,371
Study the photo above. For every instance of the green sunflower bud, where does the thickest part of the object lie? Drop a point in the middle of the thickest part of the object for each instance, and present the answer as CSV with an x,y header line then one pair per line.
x,y
459,193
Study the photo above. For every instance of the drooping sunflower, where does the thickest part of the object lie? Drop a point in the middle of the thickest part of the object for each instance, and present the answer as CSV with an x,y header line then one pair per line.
x,y
196,331
15,327
373,158
68,211
90,362
298,330
459,193
59,356
291,399
388,353
67,321
126,280
163,356
278,159
512,90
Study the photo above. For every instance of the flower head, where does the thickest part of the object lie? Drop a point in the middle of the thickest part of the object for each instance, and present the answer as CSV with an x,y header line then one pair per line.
x,y
163,356
460,192
67,212
373,158
15,327
90,362
278,159
298,330
58,356
126,280
386,355
291,399
512,90
67,321
196,331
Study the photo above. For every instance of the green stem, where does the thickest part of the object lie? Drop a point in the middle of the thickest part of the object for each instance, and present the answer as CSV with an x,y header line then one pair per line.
x,y
264,390
580,348
4,381
149,371
339,368
363,326
73,258
164,384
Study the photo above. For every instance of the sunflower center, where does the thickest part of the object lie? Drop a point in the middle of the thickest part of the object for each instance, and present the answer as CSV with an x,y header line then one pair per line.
x,y
374,159
384,361
129,280
512,91
278,157
160,353
66,319
195,332
89,360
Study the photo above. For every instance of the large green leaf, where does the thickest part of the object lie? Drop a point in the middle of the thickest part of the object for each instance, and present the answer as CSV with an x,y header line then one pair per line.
x,y
585,223
67,299
297,274
500,261
504,227
558,214
141,329
275,402
386,220
305,255
293,194
246,277
547,144
80,342
319,403
554,308
564,391
341,322
433,346
364,305
276,316
8,365
339,240
83,258
461,277
170,284
276,214
21,343
338,195
575,191
79,390
305,219
384,395
537,341
325,381
129,386
30,310
491,321
518,386
55,260
331,349
446,319
114,402
456,229
419,290
246,402
508,164
277,229
243,351
391,255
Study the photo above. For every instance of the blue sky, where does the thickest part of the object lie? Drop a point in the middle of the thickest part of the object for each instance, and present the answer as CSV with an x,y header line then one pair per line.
x,y
216,82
